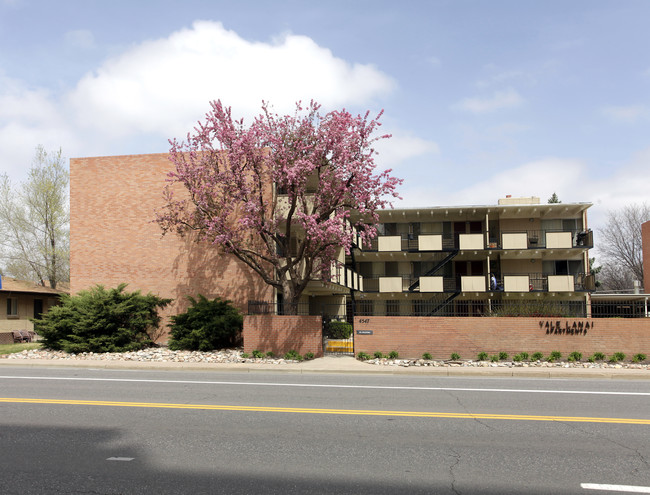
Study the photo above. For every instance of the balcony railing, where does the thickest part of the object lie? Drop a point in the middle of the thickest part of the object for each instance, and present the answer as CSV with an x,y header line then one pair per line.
x,y
504,239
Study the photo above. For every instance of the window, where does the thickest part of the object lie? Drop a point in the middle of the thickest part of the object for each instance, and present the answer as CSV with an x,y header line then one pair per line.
x,y
12,306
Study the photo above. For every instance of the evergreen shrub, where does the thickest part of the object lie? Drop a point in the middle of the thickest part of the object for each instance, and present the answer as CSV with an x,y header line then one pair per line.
x,y
101,320
206,325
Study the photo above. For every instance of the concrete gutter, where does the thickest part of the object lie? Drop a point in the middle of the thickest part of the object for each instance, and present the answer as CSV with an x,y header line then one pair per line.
x,y
341,365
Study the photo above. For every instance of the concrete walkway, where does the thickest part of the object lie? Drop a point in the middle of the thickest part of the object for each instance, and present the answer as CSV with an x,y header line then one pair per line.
x,y
339,364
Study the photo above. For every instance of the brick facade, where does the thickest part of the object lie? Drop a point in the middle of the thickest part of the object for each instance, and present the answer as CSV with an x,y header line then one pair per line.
x,y
280,334
645,237
113,238
442,336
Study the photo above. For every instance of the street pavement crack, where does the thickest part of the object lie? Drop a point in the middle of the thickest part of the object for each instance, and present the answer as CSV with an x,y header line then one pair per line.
x,y
456,458
467,411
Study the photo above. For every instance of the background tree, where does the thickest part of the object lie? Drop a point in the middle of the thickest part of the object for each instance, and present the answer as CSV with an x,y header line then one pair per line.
x,y
34,222
554,199
278,194
621,247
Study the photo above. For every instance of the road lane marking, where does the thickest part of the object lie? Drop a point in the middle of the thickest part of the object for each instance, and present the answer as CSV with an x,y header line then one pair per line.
x,y
306,410
120,459
616,488
317,385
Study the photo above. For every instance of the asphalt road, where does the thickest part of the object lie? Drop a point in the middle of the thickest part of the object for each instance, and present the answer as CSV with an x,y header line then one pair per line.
x,y
109,431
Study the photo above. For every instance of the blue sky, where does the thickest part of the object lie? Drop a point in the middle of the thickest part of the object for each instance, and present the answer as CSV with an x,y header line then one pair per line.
x,y
483,98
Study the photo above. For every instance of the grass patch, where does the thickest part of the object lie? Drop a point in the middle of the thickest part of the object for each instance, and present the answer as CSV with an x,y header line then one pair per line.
x,y
14,348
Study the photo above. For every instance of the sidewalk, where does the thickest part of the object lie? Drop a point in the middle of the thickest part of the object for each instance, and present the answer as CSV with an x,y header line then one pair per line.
x,y
339,364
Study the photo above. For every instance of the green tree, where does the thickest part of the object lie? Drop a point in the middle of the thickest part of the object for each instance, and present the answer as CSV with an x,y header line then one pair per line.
x,y
34,222
554,199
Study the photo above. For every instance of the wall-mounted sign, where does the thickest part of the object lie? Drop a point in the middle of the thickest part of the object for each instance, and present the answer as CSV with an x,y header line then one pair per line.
x,y
364,332
566,327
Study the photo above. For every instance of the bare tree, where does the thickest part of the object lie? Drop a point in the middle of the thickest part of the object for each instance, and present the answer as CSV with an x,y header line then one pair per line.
x,y
620,245
34,230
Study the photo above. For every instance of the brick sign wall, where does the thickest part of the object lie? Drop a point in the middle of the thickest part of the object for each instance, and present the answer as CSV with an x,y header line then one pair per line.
x,y
280,334
413,336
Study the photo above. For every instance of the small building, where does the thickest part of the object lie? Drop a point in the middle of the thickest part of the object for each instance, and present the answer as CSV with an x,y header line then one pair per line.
x,y
20,302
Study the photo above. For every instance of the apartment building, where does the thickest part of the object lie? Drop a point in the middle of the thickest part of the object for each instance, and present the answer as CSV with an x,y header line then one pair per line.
x,y
475,260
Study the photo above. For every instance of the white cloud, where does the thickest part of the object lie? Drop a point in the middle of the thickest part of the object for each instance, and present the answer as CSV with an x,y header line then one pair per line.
x,y
626,114
401,147
508,98
165,85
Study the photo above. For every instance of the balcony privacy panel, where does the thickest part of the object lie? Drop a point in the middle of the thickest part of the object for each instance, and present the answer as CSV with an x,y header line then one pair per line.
x,y
390,284
515,241
473,284
431,284
390,243
430,242
471,241
516,283
558,240
560,283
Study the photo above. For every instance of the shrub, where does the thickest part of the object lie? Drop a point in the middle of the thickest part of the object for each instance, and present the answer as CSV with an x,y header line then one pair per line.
x,y
339,330
482,356
517,358
393,355
309,355
503,356
258,354
427,356
537,356
270,354
455,356
494,358
293,355
617,356
524,356
206,325
378,355
245,355
556,355
575,356
591,359
599,356
100,320
639,357
362,356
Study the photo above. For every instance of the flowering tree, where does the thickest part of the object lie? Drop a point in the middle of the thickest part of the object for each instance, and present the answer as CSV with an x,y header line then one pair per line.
x,y
278,194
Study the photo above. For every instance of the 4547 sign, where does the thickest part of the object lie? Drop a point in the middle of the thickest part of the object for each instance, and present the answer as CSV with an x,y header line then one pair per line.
x,y
566,327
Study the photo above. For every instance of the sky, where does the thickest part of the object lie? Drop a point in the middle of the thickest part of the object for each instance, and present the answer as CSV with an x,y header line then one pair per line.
x,y
483,98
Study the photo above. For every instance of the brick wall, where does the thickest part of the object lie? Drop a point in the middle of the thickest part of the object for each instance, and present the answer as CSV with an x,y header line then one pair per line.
x,y
113,238
413,336
645,237
280,334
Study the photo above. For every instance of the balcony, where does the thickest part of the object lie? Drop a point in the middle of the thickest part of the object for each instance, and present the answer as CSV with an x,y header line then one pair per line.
x,y
537,282
544,239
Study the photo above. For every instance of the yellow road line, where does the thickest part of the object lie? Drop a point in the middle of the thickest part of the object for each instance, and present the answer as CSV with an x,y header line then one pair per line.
x,y
304,410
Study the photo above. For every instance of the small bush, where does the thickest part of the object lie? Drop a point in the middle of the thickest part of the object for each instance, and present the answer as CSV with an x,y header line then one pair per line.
x,y
639,358
455,356
339,330
556,355
494,358
293,355
503,356
524,356
427,356
270,354
517,358
617,356
378,355
309,355
591,359
258,354
362,356
100,320
537,356
245,355
599,356
575,356
206,325
482,356
393,355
